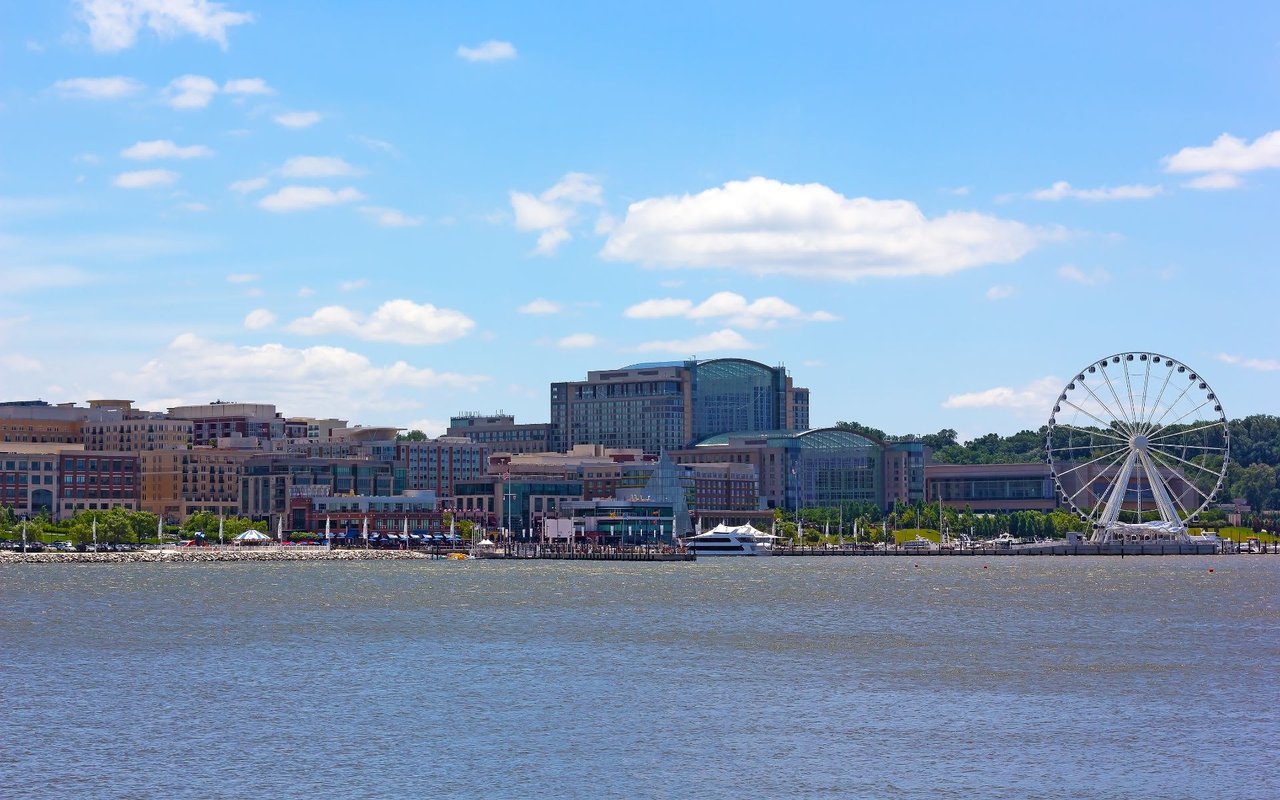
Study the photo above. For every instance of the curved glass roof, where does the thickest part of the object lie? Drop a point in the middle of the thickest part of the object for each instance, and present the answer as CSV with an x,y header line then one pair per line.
x,y
816,439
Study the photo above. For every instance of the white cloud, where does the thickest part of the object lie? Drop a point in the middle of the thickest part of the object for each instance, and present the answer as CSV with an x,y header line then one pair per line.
x,y
316,167
15,362
30,278
297,119
248,185
1062,190
577,340
720,341
390,217
1070,272
1260,364
957,191
377,145
1214,180
306,291
194,207
655,309
114,24
351,286
1037,395
765,226
320,379
539,306
554,210
303,198
765,312
400,321
247,86
190,91
1225,156
492,50
1000,291
548,241
258,319
145,179
242,277
112,88
164,148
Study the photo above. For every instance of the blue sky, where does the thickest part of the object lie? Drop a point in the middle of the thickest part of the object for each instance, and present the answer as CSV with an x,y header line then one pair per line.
x,y
392,212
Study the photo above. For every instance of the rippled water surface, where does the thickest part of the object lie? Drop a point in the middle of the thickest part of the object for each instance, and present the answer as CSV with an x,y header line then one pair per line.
x,y
784,677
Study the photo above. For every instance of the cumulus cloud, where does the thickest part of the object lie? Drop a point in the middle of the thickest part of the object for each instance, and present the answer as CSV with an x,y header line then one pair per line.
x,y
15,362
765,226
112,88
351,286
400,321
242,277
320,379
164,148
577,340
1070,272
190,91
316,167
305,198
1063,190
145,179
1260,364
1223,161
1037,395
258,319
297,119
539,306
1000,291
765,312
248,185
247,86
114,24
719,341
492,50
390,217
554,210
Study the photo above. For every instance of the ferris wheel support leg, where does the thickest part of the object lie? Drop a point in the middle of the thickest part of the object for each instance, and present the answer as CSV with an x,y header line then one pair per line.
x,y
1115,498
1164,503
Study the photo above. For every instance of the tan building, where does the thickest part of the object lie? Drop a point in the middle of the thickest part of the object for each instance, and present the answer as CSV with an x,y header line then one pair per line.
x,y
177,483
37,422
153,432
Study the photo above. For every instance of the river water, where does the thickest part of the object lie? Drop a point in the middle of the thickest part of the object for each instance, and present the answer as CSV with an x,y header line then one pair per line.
x,y
785,677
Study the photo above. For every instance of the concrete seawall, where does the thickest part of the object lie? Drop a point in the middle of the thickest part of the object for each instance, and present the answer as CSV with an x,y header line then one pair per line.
x,y
211,555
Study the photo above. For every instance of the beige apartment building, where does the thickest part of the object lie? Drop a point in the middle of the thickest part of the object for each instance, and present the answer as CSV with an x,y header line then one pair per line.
x,y
177,483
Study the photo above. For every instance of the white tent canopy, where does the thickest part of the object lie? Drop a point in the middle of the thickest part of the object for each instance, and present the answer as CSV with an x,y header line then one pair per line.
x,y
252,536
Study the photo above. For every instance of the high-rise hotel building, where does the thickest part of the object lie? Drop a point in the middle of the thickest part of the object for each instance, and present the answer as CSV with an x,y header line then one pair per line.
x,y
670,405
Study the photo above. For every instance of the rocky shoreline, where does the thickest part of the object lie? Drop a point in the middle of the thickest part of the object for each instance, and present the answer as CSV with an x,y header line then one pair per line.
x,y
210,555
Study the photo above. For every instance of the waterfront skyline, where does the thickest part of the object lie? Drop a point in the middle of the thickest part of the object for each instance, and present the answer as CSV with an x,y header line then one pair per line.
x,y
399,214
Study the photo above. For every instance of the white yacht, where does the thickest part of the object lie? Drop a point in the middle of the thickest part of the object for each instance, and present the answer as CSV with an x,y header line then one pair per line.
x,y
728,540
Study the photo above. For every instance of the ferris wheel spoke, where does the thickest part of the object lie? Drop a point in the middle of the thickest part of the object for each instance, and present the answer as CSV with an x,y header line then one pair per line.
x,y
1204,427
1102,457
1101,422
1128,383
1114,416
1146,380
1200,467
1189,413
1093,433
1175,471
1159,396
1116,395
1089,484
1159,423
1187,447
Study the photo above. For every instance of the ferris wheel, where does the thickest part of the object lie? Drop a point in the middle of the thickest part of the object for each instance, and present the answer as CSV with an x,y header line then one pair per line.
x,y
1138,445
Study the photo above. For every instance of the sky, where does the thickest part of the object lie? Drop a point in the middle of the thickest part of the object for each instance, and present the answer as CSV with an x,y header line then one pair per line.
x,y
934,215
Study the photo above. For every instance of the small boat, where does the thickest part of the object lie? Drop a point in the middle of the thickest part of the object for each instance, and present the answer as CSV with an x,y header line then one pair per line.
x,y
458,557
919,543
